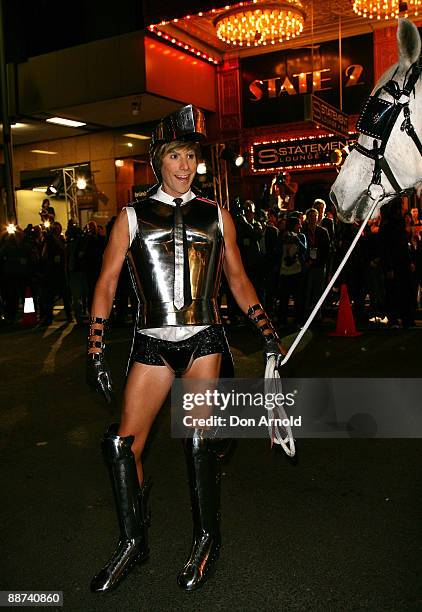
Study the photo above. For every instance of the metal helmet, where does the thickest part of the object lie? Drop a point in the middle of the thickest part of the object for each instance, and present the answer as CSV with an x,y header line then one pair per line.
x,y
185,124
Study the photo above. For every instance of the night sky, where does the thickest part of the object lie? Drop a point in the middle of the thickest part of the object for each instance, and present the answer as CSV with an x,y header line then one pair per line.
x,y
32,28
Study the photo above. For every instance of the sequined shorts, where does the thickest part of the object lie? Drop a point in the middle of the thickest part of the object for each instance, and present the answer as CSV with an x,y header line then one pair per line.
x,y
178,356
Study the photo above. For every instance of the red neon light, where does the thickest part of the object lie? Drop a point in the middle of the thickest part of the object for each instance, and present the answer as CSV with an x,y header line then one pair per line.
x,y
154,29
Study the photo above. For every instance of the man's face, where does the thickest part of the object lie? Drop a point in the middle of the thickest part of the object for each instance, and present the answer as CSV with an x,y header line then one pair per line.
x,y
415,214
250,212
312,217
321,209
178,170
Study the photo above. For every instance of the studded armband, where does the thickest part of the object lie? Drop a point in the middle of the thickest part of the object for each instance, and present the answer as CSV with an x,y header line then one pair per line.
x,y
262,322
96,334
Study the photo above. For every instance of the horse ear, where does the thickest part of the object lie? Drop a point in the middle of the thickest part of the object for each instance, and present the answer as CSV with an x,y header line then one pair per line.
x,y
409,43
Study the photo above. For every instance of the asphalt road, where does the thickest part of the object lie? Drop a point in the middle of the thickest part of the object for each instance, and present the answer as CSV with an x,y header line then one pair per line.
x,y
338,530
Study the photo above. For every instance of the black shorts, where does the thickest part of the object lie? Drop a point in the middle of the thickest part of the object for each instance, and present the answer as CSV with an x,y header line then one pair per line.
x,y
179,355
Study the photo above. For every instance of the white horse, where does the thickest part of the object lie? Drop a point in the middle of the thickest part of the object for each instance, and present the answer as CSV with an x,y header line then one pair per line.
x,y
389,160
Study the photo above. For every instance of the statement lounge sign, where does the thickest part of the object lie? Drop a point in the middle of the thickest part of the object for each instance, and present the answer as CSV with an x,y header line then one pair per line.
x,y
297,153
274,84
326,116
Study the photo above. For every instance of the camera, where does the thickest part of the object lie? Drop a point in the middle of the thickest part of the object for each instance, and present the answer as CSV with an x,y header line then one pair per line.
x,y
281,178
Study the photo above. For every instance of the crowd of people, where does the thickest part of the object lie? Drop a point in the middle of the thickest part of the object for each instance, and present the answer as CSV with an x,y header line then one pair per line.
x,y
289,256
299,251
52,265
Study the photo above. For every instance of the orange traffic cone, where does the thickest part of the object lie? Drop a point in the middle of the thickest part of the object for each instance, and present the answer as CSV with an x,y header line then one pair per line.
x,y
345,322
29,316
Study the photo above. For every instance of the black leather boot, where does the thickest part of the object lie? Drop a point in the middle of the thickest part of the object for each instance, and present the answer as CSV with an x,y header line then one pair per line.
x,y
131,502
203,462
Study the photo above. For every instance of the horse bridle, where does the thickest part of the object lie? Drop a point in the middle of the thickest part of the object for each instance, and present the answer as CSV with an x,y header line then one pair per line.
x,y
378,118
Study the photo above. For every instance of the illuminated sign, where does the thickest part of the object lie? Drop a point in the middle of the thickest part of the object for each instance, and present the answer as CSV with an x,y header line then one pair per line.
x,y
298,153
301,83
326,116
273,83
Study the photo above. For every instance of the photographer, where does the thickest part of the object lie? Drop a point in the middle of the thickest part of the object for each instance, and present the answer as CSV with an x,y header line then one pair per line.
x,y
283,191
47,212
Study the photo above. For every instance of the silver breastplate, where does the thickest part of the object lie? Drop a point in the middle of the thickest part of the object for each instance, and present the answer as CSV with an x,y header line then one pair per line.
x,y
151,263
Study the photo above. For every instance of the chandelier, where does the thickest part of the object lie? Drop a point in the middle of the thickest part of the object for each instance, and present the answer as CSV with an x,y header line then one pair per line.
x,y
264,23
386,9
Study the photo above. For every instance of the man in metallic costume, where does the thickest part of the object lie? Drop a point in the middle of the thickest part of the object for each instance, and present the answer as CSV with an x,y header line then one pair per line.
x,y
176,244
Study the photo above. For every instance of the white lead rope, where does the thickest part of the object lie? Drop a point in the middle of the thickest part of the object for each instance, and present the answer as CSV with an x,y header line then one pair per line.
x,y
279,428
329,286
283,435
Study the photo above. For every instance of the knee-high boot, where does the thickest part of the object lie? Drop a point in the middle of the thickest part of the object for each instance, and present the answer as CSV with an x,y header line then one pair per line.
x,y
131,501
203,463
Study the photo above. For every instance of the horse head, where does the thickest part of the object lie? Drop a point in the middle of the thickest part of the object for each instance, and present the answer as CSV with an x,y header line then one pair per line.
x,y
386,161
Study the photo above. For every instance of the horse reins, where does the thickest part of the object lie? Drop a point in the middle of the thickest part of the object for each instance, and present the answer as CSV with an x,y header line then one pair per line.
x,y
387,112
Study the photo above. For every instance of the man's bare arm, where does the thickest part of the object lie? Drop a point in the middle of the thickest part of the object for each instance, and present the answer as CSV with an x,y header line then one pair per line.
x,y
241,287
98,372
105,289
244,292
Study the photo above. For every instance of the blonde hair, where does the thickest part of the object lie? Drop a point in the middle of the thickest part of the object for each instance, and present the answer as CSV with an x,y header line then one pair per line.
x,y
168,147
